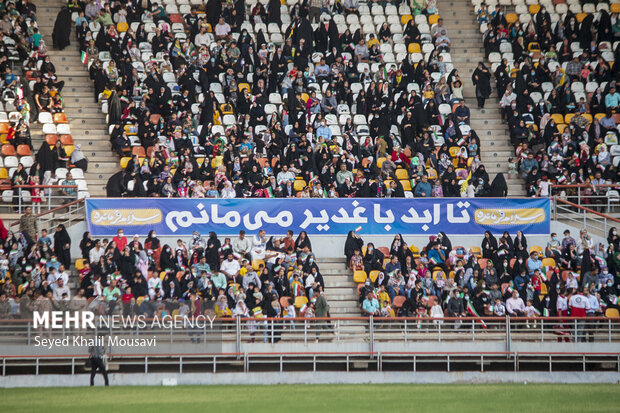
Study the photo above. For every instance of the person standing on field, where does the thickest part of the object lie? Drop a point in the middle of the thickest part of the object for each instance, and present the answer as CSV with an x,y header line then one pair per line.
x,y
96,355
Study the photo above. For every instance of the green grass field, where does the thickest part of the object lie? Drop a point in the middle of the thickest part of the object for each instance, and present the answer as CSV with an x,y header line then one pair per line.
x,y
318,398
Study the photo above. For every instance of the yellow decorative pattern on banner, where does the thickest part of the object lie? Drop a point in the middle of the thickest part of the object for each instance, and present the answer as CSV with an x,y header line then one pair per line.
x,y
509,216
106,217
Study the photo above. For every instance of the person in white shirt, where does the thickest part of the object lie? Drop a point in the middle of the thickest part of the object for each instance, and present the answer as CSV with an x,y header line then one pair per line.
x,y
222,29
55,275
530,312
259,244
514,305
153,283
594,310
202,38
230,267
285,176
96,253
579,306
60,290
506,103
242,245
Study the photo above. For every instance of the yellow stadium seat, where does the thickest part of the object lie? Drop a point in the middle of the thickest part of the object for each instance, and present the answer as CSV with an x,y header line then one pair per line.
x,y
476,251
615,8
581,16
415,251
414,48
301,301
373,275
130,130
402,174
568,117
406,184
612,313
454,150
360,276
536,248
404,19
511,18
432,19
548,262
305,97
558,118
69,149
79,264
122,27
256,264
432,173
534,8
124,161
3,173
561,127
299,185
380,162
244,86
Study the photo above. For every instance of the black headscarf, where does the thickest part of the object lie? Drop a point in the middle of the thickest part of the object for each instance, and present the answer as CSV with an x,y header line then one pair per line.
x,y
62,29
351,244
499,187
62,251
46,158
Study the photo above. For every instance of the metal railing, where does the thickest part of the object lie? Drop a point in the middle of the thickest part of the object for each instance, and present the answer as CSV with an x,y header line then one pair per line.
x,y
49,197
583,217
589,196
370,330
244,362
66,214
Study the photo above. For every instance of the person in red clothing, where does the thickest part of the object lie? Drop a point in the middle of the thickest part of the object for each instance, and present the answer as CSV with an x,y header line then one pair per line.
x,y
579,304
399,157
120,240
127,300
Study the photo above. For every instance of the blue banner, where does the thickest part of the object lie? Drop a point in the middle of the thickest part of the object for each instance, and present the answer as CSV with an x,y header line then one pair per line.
x,y
418,216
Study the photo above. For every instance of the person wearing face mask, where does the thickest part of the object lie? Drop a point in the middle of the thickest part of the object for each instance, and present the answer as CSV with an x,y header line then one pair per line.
x,y
533,263
120,240
197,243
554,247
373,259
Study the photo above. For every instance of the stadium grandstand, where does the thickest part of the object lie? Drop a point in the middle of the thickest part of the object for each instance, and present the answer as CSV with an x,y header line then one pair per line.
x,y
434,188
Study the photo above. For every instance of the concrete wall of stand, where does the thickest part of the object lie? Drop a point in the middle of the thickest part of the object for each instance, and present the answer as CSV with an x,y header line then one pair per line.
x,y
323,377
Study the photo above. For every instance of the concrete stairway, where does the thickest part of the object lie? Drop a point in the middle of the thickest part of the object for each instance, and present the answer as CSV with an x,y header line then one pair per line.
x,y
340,290
87,122
466,51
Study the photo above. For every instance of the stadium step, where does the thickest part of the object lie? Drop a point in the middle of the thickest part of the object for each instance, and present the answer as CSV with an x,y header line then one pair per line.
x,y
467,50
340,290
87,122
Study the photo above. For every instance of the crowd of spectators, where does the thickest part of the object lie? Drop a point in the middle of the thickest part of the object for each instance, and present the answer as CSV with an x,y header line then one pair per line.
x,y
504,276
231,99
31,93
556,81
254,276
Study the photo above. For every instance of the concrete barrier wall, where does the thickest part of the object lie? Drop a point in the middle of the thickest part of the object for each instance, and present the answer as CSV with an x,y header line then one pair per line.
x,y
159,379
